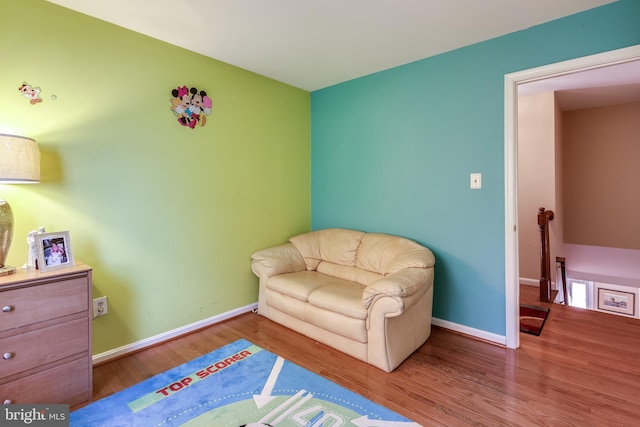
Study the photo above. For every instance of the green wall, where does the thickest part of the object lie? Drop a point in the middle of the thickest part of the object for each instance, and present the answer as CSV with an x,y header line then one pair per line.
x,y
392,152
166,215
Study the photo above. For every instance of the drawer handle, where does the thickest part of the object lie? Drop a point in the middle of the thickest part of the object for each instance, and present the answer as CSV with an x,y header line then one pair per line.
x,y
7,402
7,356
7,308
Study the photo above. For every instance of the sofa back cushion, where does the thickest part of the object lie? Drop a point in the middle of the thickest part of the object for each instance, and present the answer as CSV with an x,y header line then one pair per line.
x,y
348,272
358,256
334,245
386,254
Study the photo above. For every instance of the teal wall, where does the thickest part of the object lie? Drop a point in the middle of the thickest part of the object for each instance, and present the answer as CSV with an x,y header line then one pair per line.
x,y
167,216
392,152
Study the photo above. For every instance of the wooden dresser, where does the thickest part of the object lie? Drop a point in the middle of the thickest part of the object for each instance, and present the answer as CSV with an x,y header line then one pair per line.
x,y
45,336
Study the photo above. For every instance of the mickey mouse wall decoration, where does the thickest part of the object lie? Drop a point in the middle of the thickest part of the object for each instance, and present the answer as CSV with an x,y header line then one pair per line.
x,y
28,91
191,106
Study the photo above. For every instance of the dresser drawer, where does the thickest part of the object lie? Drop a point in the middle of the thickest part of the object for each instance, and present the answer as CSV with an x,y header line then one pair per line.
x,y
33,304
68,383
42,346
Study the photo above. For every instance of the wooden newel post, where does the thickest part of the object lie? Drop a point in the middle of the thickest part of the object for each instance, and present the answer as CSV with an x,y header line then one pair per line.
x,y
544,216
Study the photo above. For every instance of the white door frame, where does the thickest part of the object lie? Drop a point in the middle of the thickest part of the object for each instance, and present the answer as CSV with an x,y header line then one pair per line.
x,y
511,82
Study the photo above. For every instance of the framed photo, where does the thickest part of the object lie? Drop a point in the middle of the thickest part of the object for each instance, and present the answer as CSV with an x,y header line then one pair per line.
x,y
617,301
53,251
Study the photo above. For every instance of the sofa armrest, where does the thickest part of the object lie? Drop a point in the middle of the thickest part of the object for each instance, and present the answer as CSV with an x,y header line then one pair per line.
x,y
401,284
277,260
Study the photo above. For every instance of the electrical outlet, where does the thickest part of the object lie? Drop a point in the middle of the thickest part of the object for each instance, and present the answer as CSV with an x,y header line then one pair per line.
x,y
100,307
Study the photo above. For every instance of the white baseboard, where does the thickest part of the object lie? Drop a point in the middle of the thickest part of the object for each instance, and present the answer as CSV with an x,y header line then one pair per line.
x,y
529,282
466,330
166,336
174,333
535,282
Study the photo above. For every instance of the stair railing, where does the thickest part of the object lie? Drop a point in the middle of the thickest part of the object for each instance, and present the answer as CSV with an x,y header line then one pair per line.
x,y
563,274
544,216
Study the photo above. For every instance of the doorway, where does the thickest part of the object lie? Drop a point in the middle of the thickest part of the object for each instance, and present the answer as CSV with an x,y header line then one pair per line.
x,y
512,81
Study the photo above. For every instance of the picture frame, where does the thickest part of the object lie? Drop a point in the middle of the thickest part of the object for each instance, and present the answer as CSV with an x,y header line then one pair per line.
x,y
53,251
617,301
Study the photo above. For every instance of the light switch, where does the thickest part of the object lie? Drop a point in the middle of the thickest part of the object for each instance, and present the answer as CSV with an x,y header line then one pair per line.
x,y
476,181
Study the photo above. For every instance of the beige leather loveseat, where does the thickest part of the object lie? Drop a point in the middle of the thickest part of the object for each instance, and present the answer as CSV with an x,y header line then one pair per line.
x,y
366,294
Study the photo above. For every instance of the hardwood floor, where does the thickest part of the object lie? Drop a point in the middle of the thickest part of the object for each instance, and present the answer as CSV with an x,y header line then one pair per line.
x,y
583,370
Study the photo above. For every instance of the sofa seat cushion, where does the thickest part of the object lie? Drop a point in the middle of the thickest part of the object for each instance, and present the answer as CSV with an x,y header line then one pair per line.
x,y
348,327
326,292
300,284
342,298
329,320
286,304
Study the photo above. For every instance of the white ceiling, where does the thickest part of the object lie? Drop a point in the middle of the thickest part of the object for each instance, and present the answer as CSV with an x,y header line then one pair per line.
x,y
608,85
315,44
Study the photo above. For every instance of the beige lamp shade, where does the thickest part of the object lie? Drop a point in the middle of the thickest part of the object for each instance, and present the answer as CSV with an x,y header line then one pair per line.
x,y
19,164
19,160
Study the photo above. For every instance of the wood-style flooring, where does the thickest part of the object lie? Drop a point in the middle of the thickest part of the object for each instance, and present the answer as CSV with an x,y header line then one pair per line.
x,y
583,370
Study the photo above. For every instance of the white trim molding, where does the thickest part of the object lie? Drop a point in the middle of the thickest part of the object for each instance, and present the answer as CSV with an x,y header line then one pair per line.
x,y
175,333
472,332
511,82
169,335
529,282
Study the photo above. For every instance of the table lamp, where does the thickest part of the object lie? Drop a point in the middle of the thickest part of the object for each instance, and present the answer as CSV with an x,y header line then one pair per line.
x,y
19,164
